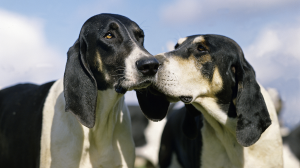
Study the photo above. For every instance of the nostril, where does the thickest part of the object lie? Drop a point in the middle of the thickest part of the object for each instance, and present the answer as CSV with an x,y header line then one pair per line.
x,y
146,67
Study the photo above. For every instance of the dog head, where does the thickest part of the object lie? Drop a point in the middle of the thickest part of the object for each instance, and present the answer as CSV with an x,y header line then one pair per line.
x,y
109,54
213,67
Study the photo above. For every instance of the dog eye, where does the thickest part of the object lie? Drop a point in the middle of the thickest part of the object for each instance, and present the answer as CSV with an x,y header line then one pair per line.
x,y
201,48
109,36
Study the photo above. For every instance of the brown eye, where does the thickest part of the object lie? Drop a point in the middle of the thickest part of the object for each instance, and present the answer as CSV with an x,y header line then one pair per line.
x,y
201,48
109,36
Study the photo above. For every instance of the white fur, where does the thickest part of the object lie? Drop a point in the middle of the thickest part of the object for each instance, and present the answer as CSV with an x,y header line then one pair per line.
x,y
275,97
289,159
65,143
174,162
219,138
131,72
153,134
182,77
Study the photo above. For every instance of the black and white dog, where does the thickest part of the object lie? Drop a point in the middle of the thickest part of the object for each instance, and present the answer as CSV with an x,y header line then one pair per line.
x,y
80,120
230,116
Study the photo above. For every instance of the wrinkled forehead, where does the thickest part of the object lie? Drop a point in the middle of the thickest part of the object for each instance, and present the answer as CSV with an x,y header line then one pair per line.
x,y
103,22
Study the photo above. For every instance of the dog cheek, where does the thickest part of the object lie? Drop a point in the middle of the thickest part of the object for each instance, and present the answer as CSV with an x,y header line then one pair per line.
x,y
217,81
101,67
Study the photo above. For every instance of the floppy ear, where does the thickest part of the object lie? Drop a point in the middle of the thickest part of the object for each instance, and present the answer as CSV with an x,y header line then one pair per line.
x,y
191,124
80,87
252,112
154,107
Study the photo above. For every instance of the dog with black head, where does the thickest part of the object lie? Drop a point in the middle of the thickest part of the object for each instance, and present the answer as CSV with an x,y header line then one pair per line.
x,y
80,120
233,114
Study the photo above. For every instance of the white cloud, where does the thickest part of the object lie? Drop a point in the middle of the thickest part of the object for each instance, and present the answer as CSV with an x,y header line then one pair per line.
x,y
275,56
185,11
275,53
25,55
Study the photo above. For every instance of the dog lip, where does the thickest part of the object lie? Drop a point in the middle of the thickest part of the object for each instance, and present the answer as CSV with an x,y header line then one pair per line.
x,y
120,89
140,85
144,82
186,99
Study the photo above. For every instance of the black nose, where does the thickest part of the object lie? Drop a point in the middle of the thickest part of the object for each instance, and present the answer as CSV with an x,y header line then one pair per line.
x,y
147,66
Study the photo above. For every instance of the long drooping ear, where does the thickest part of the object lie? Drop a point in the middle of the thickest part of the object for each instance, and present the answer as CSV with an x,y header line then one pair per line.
x,y
80,87
154,107
191,122
251,109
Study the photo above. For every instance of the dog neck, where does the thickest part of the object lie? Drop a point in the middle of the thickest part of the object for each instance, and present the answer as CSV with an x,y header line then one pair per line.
x,y
109,106
111,135
215,116
218,133
220,144
64,138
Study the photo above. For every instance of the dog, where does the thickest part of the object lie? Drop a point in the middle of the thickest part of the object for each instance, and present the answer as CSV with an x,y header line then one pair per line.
x,y
230,120
80,120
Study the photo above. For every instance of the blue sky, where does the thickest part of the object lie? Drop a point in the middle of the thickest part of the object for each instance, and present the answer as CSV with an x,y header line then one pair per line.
x,y
35,36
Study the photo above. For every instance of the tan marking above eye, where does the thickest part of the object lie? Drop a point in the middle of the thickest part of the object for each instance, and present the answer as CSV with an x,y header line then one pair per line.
x,y
108,35
198,39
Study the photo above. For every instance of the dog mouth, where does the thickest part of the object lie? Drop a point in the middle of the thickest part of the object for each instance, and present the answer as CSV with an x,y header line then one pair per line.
x,y
120,88
156,91
186,99
172,98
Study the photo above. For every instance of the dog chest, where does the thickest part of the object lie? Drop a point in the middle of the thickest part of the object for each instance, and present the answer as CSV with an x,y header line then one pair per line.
x,y
220,151
67,143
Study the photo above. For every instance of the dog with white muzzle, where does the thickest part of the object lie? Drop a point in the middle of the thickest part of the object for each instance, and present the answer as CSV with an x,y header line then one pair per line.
x,y
80,120
231,116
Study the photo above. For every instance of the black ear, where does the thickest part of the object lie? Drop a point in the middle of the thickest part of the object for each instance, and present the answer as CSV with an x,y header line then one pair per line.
x,y
155,107
252,112
190,126
80,87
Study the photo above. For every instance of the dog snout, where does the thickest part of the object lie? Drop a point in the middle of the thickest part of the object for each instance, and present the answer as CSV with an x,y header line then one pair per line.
x,y
147,66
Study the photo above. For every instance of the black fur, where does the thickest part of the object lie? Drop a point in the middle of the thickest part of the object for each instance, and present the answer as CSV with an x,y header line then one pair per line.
x,y
93,51
251,109
189,125
238,82
105,41
155,107
80,87
174,140
139,124
239,85
21,110
293,141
